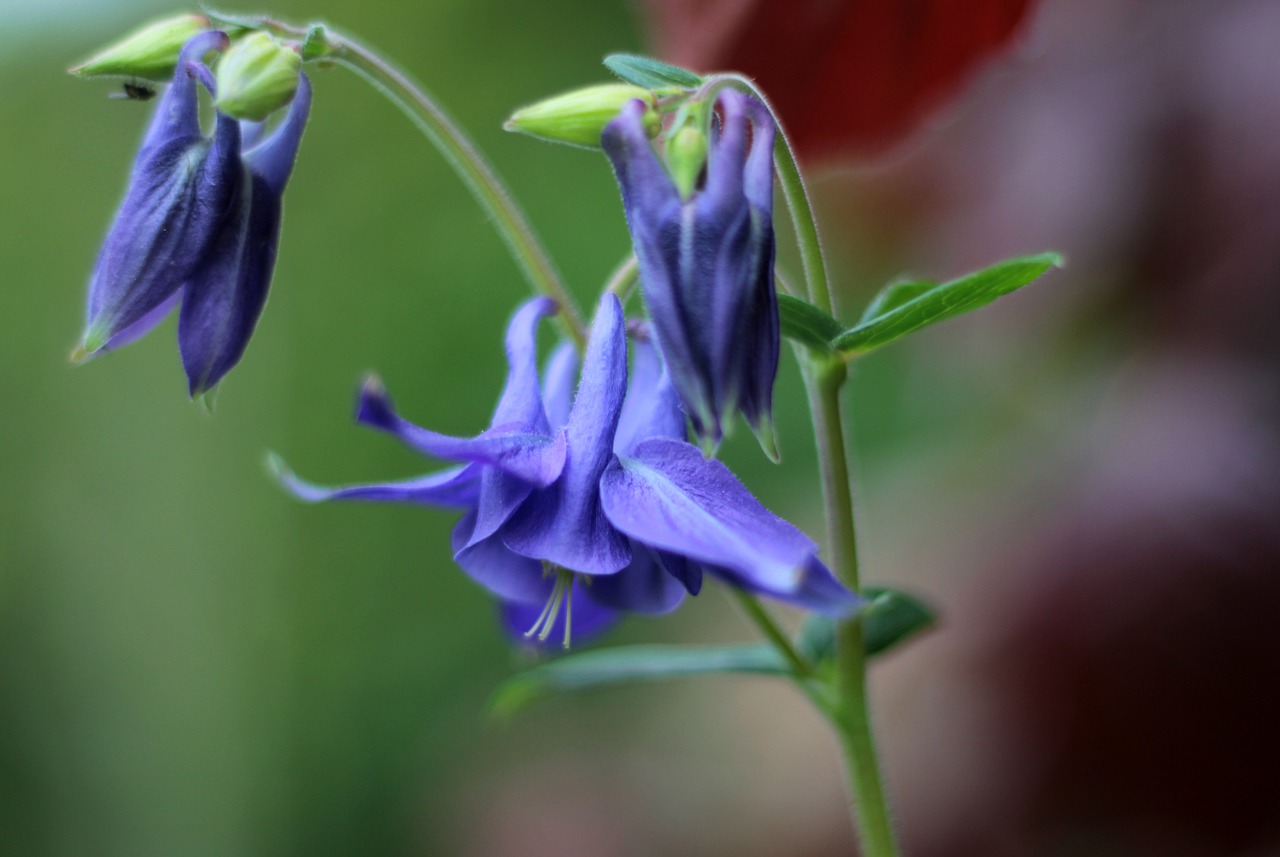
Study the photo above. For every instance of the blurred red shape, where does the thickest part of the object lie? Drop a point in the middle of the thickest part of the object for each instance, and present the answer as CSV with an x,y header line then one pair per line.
x,y
847,76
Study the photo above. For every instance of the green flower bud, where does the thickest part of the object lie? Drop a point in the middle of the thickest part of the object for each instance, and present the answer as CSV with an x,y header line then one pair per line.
x,y
149,53
686,155
578,117
256,77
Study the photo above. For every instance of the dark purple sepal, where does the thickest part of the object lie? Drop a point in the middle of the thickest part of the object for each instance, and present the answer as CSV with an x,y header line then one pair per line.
x,y
644,586
225,296
706,264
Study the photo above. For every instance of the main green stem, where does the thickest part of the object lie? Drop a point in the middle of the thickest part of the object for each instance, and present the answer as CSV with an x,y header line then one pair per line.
x,y
852,716
471,166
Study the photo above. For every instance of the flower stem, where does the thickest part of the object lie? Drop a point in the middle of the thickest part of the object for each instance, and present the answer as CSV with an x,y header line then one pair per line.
x,y
802,672
757,614
851,716
470,165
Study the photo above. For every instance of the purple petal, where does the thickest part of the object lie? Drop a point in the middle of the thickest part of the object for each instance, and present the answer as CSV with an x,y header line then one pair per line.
x,y
177,113
171,214
455,488
644,586
521,401
557,387
500,495
652,407
505,574
675,286
563,523
590,619
533,457
818,590
669,497
761,334
687,572
144,325
757,176
272,160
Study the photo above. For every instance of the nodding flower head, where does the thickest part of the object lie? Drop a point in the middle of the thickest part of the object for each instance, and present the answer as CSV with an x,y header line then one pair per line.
x,y
706,262
198,226
578,507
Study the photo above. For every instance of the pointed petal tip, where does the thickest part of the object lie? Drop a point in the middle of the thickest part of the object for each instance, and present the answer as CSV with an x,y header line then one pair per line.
x,y
767,439
206,398
373,405
275,466
709,446
79,355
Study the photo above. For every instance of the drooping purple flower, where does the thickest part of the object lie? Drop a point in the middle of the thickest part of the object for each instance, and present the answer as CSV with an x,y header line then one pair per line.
x,y
706,263
199,225
576,508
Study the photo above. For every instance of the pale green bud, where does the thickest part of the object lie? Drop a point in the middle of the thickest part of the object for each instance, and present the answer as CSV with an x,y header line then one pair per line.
x,y
149,53
256,77
686,155
578,117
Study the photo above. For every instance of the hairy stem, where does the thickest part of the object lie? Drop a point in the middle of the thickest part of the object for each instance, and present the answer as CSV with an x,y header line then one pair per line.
x,y
466,160
851,714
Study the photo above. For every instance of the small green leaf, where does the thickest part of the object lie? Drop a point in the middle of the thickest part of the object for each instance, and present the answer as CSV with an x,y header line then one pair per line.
x,y
806,324
893,296
941,302
891,617
605,667
316,44
817,639
650,73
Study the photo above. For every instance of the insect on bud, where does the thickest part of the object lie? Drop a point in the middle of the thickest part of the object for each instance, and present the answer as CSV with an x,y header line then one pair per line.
x,y
148,54
578,117
256,77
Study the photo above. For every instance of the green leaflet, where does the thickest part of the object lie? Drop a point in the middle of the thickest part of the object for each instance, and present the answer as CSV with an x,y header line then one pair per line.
x,y
650,73
891,618
906,307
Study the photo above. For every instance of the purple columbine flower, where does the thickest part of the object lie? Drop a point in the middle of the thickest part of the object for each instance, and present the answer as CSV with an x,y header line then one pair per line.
x,y
579,507
199,224
706,263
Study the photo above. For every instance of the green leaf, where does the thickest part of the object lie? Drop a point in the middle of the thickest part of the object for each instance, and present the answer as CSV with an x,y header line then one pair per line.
x,y
605,667
940,302
316,44
893,296
892,617
650,73
806,324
